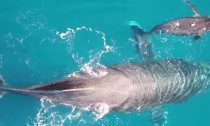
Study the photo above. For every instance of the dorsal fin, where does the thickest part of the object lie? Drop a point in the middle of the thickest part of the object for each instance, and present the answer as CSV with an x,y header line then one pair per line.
x,y
192,7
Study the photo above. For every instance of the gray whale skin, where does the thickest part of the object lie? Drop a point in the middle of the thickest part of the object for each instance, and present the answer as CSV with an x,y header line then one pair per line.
x,y
127,87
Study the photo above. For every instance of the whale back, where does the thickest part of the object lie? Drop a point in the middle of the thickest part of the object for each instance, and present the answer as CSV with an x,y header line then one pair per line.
x,y
87,91
167,81
184,26
128,87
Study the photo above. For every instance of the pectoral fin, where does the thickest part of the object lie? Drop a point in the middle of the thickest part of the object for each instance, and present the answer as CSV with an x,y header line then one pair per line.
x,y
158,116
192,7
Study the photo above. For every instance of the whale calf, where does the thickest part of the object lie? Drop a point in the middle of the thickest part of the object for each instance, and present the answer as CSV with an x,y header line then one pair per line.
x,y
195,25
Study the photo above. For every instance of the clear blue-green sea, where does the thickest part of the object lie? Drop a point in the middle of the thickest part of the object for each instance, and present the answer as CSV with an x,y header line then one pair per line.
x,y
45,40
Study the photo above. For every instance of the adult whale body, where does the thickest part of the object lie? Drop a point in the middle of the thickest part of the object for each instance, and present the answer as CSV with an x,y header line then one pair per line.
x,y
128,87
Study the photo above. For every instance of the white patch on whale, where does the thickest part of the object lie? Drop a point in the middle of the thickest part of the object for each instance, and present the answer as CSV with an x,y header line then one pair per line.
x,y
177,24
204,29
193,24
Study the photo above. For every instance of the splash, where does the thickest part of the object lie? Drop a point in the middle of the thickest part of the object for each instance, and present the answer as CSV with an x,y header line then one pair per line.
x,y
100,110
51,114
41,116
94,59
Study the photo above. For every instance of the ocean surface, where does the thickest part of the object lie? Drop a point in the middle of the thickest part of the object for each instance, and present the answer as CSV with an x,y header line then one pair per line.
x,y
45,40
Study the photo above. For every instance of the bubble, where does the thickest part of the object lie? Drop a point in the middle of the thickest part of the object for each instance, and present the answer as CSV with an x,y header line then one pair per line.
x,y
164,39
48,115
31,20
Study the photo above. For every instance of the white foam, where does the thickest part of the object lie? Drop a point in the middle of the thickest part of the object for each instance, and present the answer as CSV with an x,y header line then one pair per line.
x,y
100,109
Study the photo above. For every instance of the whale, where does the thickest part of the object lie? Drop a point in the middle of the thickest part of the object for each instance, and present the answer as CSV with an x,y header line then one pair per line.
x,y
127,87
195,25
134,86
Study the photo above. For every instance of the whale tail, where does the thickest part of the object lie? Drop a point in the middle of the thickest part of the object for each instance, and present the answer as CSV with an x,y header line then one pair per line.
x,y
137,30
143,44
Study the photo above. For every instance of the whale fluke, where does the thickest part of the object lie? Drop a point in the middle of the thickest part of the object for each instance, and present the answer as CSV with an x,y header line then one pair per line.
x,y
142,42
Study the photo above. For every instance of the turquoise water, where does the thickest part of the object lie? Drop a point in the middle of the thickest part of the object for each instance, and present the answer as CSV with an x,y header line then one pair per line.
x,y
42,41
